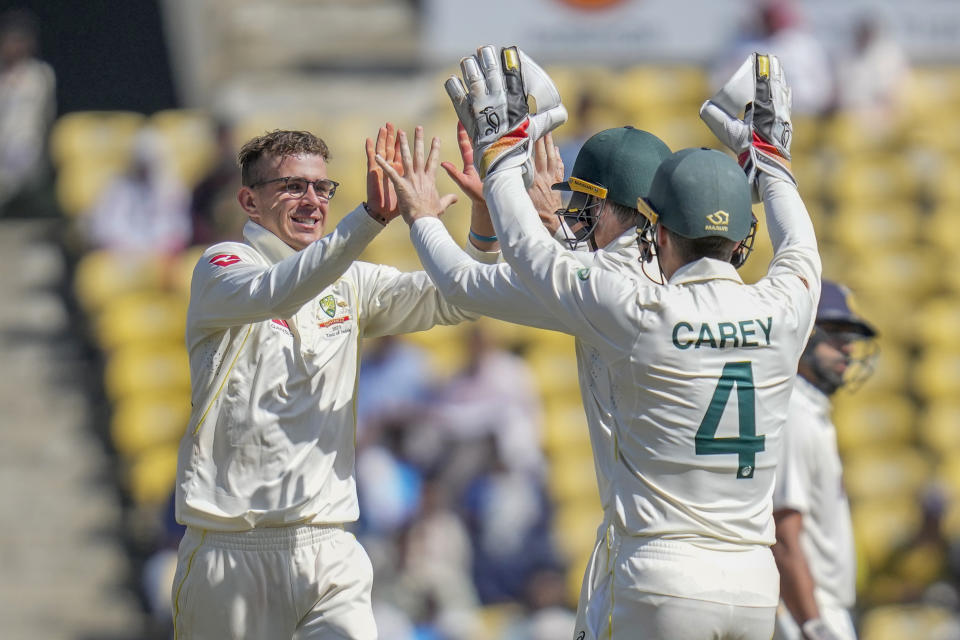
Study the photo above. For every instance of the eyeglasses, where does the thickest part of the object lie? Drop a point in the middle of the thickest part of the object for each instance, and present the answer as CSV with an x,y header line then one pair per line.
x,y
296,187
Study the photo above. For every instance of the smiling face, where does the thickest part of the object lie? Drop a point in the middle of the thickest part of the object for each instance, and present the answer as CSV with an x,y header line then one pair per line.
x,y
297,221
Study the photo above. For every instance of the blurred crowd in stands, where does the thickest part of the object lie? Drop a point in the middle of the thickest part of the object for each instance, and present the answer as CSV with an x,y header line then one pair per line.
x,y
458,512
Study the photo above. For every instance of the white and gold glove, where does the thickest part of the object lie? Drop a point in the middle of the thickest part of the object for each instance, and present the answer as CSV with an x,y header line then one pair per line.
x,y
762,139
494,102
816,629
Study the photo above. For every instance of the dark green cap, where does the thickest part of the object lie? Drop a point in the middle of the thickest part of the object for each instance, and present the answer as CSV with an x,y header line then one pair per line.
x,y
623,160
702,192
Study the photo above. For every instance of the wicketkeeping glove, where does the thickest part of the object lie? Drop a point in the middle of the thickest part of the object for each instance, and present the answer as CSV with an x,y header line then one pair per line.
x,y
817,630
494,102
762,139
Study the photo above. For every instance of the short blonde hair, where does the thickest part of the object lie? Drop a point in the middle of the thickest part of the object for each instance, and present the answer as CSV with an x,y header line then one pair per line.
x,y
277,144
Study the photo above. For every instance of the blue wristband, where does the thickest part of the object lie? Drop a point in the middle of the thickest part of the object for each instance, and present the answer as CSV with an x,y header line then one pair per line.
x,y
477,236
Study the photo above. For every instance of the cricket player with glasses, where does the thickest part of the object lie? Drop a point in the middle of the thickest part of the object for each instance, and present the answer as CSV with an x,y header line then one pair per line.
x,y
691,378
265,476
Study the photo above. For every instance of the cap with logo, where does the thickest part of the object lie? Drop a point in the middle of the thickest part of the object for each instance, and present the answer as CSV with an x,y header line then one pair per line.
x,y
620,161
834,307
698,193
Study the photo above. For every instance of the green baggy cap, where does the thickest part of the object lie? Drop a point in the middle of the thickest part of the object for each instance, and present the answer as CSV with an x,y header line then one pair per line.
x,y
623,160
702,192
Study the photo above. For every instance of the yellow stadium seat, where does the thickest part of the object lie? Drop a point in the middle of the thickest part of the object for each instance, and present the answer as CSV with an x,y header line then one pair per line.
x,y
80,184
190,141
895,622
873,178
940,181
555,371
153,369
102,276
883,523
872,228
142,318
151,477
878,473
938,428
937,322
575,527
865,420
936,374
565,427
140,423
90,137
890,278
572,476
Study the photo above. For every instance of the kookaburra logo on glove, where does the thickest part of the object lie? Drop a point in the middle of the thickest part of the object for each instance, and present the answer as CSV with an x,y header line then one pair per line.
x,y
493,121
503,86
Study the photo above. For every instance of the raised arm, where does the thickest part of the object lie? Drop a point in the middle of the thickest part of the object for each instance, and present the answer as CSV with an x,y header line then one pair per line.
x,y
762,144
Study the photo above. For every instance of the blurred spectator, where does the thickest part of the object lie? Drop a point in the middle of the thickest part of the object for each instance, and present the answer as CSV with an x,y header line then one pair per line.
x,y
924,566
435,559
27,108
213,203
547,614
394,379
495,394
145,209
875,75
508,515
388,484
780,30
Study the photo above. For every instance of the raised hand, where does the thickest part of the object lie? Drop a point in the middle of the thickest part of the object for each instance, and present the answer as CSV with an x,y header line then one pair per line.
x,y
492,100
762,139
416,186
548,171
381,195
468,179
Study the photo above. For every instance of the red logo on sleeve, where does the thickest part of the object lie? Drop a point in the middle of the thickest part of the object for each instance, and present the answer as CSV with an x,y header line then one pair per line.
x,y
224,259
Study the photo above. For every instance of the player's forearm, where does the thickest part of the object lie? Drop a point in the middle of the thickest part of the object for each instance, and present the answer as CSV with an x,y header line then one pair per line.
x,y
483,288
791,231
514,217
796,583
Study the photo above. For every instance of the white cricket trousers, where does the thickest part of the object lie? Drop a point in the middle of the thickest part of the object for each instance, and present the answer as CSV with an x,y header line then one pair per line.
x,y
631,591
282,583
837,618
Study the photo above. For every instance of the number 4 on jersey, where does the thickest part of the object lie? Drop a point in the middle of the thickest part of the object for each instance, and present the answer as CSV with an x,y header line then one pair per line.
x,y
748,443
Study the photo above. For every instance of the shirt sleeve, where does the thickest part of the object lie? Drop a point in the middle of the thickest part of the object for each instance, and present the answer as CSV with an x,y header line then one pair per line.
x,y
601,307
791,234
490,289
232,286
394,302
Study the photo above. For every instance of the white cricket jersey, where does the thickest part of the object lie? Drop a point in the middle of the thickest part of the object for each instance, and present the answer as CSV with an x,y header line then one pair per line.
x,y
273,336
493,290
691,380
810,481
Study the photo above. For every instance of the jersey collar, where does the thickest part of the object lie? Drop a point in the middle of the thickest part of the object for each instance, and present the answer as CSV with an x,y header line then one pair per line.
x,y
273,248
705,269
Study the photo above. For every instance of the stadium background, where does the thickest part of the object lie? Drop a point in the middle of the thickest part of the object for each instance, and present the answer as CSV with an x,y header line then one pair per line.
x,y
886,207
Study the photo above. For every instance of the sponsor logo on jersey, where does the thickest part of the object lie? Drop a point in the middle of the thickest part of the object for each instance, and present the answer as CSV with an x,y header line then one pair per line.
x,y
584,274
224,259
718,221
330,323
280,326
329,305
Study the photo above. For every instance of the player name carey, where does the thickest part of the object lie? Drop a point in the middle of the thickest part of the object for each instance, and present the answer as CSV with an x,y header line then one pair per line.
x,y
719,335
